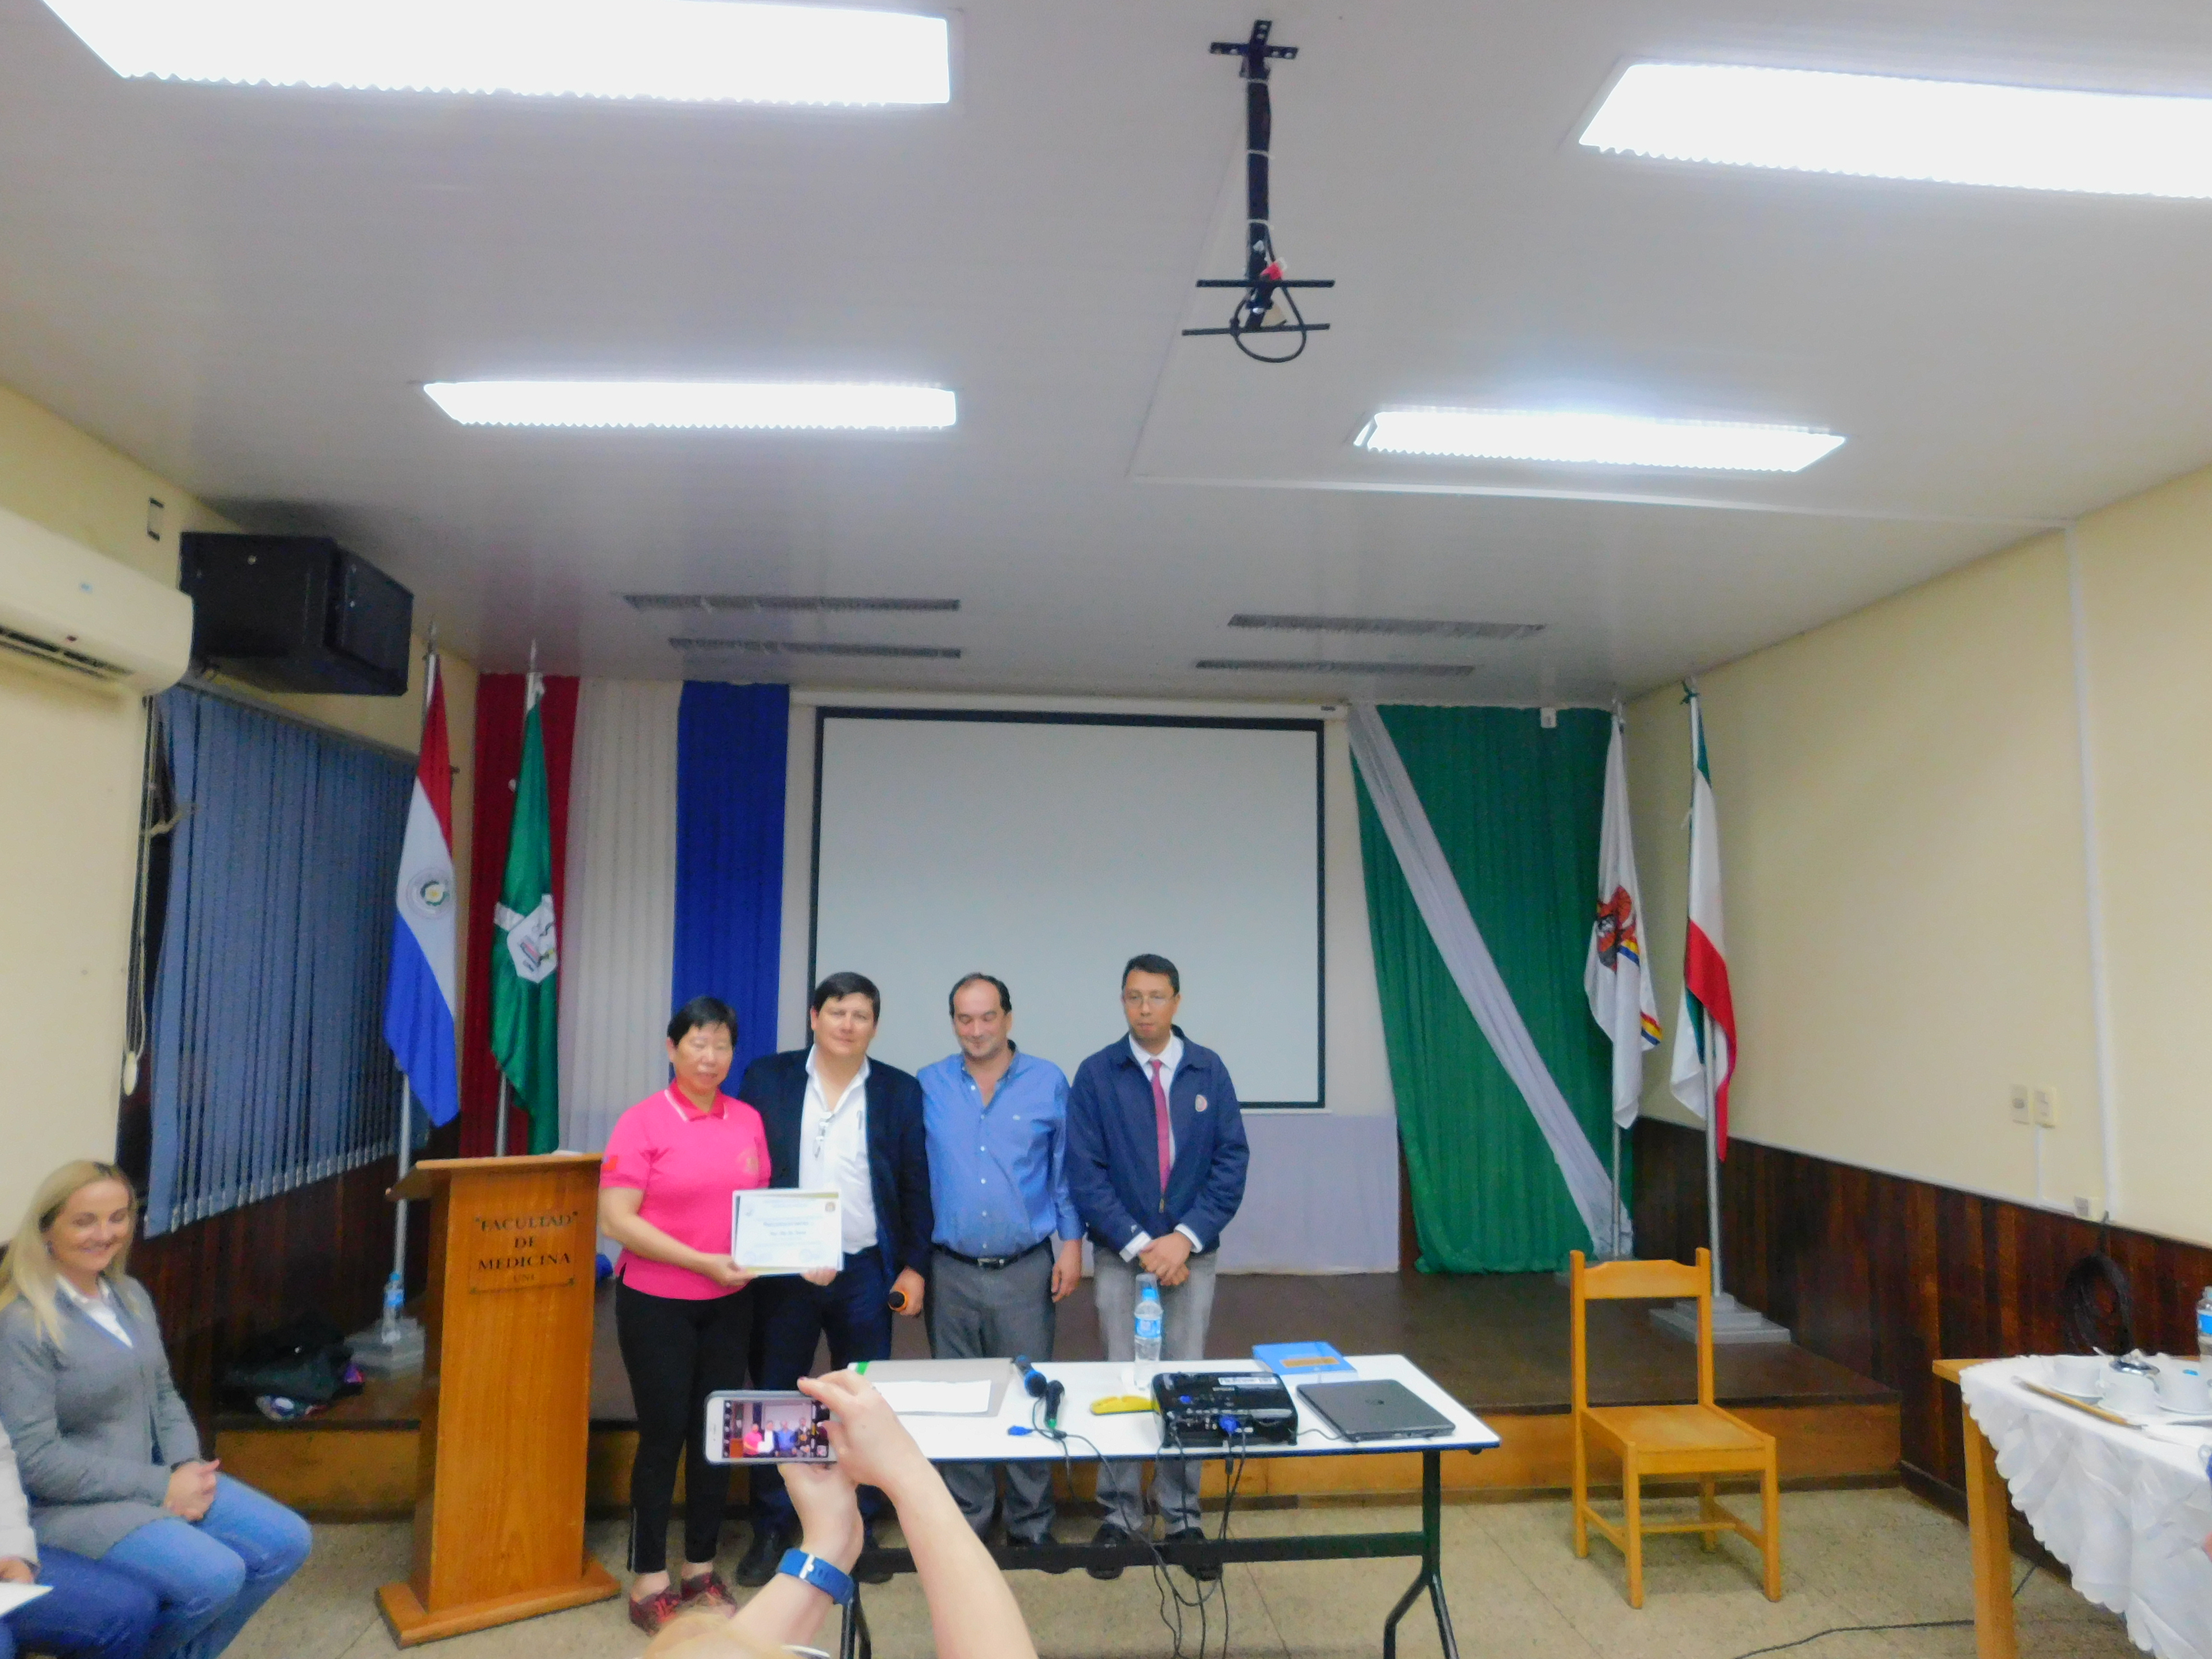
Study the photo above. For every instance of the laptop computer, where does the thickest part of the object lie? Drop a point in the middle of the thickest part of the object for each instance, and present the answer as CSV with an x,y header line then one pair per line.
x,y
1375,1409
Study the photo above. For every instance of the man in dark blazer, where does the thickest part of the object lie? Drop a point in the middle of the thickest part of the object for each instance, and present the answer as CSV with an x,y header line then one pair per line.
x,y
835,1119
1156,1160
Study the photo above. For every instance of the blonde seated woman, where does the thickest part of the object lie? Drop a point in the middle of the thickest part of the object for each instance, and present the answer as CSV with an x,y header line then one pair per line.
x,y
108,1455
971,1611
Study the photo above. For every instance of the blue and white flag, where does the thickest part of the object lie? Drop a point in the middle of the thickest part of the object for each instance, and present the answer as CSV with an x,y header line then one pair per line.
x,y
419,1001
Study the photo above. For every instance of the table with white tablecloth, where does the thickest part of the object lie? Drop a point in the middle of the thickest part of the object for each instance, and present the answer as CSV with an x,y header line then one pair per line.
x,y
2126,1510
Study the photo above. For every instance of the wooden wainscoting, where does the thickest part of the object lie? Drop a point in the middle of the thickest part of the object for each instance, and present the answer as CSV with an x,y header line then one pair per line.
x,y
324,1248
1885,1274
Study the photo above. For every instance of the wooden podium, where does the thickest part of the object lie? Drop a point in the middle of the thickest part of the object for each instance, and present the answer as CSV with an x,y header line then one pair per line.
x,y
507,1396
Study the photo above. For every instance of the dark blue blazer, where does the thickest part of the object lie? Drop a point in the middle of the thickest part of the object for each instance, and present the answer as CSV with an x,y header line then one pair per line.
x,y
898,1154
1114,1147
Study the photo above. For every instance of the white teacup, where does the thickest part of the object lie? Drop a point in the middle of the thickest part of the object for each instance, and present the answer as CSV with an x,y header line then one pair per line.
x,y
2181,1387
2077,1373
2132,1394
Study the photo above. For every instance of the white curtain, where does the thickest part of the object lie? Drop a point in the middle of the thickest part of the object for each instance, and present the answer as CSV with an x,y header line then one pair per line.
x,y
1443,908
618,939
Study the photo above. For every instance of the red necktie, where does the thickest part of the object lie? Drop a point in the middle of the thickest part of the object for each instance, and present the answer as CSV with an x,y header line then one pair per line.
x,y
1160,1117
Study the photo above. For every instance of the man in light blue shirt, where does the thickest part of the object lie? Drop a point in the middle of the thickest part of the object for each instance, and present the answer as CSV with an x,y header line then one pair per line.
x,y
996,1121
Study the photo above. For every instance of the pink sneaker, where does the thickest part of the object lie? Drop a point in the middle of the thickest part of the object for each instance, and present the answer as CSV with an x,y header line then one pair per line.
x,y
708,1591
650,1612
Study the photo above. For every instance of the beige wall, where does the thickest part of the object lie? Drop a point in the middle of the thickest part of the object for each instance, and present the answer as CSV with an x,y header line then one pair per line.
x,y
1907,887
2146,605
71,756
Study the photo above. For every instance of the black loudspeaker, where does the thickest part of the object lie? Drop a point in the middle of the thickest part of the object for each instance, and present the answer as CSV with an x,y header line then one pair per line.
x,y
297,613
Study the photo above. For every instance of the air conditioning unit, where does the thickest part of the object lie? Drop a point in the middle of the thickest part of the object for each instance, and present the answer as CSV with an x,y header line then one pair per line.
x,y
65,605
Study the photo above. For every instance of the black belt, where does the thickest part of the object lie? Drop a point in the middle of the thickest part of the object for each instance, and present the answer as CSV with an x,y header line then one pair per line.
x,y
995,1261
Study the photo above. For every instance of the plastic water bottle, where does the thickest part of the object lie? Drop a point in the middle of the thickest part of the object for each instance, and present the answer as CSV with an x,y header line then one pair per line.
x,y
2204,1328
395,1297
1149,1319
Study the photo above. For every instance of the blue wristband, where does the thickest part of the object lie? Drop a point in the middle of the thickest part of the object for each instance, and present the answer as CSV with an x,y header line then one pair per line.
x,y
813,1570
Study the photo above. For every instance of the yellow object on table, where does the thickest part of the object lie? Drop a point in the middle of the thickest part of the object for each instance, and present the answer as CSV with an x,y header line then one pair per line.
x,y
1115,1404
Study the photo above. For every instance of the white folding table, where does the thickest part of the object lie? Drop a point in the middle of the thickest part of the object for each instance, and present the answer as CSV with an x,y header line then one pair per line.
x,y
1136,1434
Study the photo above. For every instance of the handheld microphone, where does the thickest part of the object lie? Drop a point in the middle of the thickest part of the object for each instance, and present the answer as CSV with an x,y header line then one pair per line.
x,y
1040,1387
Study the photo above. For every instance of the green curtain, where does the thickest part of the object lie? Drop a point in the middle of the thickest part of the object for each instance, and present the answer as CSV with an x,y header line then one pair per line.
x,y
1516,809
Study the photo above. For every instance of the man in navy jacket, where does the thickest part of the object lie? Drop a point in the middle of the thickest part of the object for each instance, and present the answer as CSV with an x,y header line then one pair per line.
x,y
836,1119
1156,1159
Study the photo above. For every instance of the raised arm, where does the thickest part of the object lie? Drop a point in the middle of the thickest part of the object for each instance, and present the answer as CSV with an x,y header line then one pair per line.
x,y
971,1611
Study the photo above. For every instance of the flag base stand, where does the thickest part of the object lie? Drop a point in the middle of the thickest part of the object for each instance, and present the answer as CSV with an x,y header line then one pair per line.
x,y
1732,1321
379,1354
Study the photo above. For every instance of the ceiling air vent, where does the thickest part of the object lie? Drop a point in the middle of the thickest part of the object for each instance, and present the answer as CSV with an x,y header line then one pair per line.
x,y
1441,671
1435,629
785,602
818,648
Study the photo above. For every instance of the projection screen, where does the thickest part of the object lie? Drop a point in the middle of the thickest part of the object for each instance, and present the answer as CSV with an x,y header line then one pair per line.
x,y
1047,849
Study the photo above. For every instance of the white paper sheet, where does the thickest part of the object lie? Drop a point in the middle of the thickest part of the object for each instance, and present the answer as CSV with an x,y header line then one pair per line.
x,y
12,1596
928,1399
776,1230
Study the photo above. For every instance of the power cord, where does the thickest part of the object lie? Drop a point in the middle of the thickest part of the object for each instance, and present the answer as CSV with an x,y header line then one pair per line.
x,y
1854,1630
1173,1603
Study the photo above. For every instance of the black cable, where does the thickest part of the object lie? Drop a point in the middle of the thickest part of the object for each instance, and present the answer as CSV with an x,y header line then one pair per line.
x,y
1162,1577
1858,1629
1237,331
1064,1439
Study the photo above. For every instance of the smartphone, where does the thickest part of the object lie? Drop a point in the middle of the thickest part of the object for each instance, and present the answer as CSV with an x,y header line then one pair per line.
x,y
767,1426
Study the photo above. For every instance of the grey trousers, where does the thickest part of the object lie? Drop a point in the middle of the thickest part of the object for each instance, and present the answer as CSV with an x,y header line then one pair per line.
x,y
994,1313
1185,1309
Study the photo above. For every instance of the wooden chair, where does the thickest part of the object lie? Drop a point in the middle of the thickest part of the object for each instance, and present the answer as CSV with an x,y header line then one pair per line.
x,y
1665,1442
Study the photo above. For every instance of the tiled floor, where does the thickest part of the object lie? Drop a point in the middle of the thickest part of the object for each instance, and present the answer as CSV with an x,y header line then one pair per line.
x,y
1849,1558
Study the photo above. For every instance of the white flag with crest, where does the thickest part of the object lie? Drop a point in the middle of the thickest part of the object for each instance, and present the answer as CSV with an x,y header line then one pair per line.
x,y
1615,973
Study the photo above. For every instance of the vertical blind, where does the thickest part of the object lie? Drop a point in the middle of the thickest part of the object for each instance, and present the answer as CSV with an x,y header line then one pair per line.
x,y
269,1066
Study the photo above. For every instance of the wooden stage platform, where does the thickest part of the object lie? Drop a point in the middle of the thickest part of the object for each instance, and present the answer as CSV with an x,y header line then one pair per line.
x,y
1496,1342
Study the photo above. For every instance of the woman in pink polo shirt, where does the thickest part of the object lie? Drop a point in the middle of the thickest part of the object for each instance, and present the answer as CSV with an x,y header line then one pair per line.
x,y
682,1309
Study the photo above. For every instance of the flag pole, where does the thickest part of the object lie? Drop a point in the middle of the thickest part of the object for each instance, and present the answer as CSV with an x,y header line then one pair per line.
x,y
499,1129
1616,1192
392,1334
1712,1155
395,1288
389,1327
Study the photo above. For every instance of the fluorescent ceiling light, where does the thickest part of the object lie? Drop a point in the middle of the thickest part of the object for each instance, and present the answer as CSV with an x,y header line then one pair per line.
x,y
1513,434
1883,127
692,51
693,404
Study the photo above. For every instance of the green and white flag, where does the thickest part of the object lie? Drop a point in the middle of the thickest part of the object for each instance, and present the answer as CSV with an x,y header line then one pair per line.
x,y
525,996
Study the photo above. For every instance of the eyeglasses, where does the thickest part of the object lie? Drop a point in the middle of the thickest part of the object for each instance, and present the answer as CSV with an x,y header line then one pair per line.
x,y
1148,999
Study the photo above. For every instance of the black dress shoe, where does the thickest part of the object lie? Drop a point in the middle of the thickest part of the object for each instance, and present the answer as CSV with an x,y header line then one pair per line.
x,y
1040,1541
1109,1536
1206,1570
872,1574
762,1556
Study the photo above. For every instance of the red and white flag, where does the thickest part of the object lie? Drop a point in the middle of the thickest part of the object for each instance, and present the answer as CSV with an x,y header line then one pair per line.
x,y
1705,1030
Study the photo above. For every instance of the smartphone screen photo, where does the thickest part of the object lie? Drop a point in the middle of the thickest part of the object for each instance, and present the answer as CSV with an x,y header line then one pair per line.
x,y
767,1428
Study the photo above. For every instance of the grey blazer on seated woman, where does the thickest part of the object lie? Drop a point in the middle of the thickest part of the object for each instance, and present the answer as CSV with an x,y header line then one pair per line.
x,y
97,1426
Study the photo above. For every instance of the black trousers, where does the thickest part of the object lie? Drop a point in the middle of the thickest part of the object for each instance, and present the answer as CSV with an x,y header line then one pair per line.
x,y
677,1351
